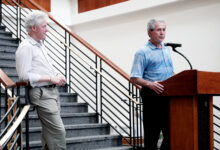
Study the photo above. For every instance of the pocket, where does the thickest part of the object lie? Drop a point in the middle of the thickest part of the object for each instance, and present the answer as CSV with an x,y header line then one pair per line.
x,y
49,106
35,95
49,93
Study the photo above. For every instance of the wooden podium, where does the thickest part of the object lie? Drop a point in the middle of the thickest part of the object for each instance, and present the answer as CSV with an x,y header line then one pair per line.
x,y
191,109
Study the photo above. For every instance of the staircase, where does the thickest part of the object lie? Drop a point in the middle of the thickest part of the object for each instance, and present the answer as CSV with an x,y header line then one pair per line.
x,y
83,130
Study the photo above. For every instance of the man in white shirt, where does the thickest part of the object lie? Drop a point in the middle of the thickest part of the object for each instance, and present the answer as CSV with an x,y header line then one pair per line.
x,y
34,65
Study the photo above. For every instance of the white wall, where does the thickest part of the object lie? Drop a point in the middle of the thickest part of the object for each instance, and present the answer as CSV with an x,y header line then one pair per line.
x,y
193,23
63,10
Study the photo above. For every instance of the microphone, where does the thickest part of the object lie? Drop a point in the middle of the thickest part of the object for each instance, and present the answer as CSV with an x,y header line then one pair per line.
x,y
174,46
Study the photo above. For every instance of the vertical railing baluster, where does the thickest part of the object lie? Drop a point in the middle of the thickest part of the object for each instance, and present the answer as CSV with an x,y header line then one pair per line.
x,y
12,92
133,124
96,84
137,124
27,117
20,126
65,49
138,119
6,104
130,114
70,86
69,65
141,117
19,20
101,101
134,118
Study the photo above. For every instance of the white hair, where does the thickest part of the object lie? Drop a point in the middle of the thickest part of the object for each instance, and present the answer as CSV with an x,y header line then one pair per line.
x,y
35,19
151,24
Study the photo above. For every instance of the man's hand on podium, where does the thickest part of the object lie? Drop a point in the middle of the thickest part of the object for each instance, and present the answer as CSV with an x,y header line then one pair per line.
x,y
156,87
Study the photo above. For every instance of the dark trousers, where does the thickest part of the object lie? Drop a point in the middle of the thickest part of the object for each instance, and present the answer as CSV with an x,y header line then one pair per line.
x,y
156,119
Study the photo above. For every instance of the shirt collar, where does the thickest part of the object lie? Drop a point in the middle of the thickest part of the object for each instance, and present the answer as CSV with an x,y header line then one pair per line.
x,y
153,47
34,42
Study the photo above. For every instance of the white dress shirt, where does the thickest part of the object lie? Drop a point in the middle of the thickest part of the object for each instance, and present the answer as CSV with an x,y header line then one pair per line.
x,y
32,62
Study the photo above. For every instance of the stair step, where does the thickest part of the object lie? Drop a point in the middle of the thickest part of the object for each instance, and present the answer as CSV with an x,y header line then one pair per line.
x,y
5,33
68,119
8,57
73,131
68,97
8,40
72,107
92,142
9,44
85,142
8,68
116,148
7,60
65,98
7,54
65,108
8,48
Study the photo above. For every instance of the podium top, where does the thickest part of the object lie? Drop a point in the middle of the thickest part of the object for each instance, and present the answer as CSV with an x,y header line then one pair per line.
x,y
192,82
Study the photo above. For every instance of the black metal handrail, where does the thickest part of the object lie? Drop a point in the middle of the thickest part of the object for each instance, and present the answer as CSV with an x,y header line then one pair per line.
x,y
96,80
11,114
6,127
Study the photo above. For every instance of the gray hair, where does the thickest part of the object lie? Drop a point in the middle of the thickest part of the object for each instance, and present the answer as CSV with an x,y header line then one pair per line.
x,y
151,24
35,19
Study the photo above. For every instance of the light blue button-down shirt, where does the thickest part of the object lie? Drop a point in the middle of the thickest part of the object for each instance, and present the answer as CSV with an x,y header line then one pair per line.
x,y
152,63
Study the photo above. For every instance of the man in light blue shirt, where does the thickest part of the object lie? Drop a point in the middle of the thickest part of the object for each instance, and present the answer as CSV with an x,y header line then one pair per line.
x,y
152,63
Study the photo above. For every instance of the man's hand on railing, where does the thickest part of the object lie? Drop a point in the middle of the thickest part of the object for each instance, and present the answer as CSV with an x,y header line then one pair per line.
x,y
58,80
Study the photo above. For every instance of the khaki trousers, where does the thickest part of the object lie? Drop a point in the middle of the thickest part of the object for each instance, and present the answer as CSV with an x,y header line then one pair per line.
x,y
47,103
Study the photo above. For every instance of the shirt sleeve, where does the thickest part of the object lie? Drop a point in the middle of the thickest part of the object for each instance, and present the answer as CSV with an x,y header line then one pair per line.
x,y
23,64
138,67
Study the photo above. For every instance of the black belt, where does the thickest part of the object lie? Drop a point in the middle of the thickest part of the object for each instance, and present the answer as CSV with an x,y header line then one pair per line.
x,y
49,86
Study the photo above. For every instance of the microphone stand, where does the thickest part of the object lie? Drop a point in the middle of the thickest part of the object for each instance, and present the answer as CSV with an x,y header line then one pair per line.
x,y
174,49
